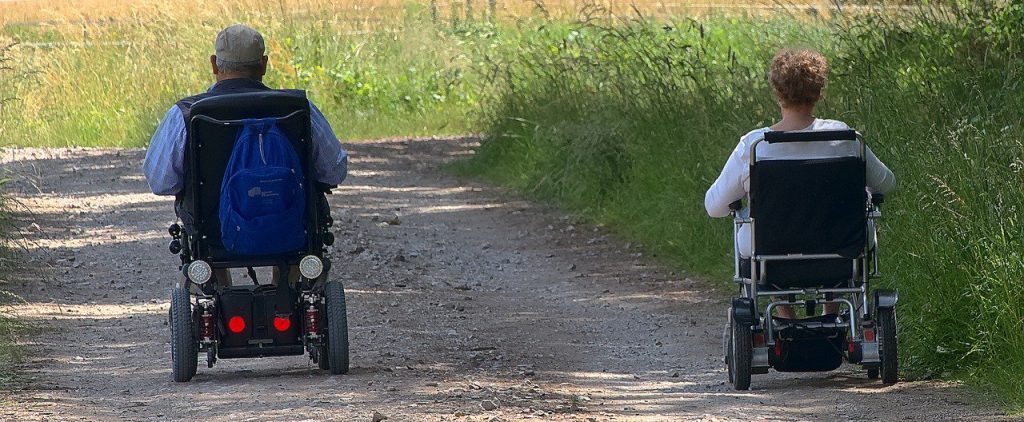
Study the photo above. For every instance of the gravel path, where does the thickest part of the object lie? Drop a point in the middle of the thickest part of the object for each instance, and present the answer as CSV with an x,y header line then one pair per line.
x,y
474,298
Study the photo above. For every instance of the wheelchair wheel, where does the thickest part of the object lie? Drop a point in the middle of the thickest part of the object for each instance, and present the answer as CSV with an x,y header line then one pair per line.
x,y
184,346
337,328
887,347
740,354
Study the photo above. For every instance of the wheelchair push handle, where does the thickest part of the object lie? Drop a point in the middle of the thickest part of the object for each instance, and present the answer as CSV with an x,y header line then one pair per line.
x,y
238,122
810,136
325,188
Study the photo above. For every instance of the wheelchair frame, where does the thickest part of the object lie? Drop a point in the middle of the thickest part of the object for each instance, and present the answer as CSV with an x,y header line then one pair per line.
x,y
862,341
316,306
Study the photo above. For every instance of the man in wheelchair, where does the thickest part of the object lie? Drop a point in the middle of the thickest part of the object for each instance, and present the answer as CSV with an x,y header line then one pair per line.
x,y
249,167
805,238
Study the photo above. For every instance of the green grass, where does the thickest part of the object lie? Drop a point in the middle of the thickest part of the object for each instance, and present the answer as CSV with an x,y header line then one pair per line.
x,y
630,124
10,353
109,83
10,327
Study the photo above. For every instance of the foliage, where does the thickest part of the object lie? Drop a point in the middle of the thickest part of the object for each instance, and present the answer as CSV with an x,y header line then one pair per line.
x,y
9,352
414,78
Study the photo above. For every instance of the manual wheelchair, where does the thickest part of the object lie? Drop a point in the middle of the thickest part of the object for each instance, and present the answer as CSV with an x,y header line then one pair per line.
x,y
812,237
293,315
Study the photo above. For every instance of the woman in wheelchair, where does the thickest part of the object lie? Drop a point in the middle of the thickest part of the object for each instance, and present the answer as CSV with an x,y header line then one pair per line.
x,y
805,237
797,78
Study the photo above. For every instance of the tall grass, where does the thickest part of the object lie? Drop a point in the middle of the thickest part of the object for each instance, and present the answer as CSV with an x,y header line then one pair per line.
x,y
372,12
9,352
630,124
105,71
106,82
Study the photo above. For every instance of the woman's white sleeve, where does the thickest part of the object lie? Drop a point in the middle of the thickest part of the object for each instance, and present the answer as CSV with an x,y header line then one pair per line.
x,y
879,178
728,188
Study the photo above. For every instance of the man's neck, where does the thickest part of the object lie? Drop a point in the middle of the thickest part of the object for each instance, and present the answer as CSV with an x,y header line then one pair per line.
x,y
226,76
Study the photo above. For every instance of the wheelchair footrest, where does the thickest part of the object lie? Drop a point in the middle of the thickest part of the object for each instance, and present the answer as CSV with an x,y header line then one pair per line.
x,y
261,352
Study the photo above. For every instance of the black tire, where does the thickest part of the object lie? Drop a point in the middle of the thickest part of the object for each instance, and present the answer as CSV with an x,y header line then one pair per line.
x,y
322,362
873,373
321,359
336,355
887,347
741,353
184,346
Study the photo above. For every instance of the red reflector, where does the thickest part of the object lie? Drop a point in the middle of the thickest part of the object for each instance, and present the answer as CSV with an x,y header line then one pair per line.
x,y
236,324
849,347
282,323
759,339
778,349
869,334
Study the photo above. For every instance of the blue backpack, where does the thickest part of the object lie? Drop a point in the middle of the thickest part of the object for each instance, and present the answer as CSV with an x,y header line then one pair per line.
x,y
262,195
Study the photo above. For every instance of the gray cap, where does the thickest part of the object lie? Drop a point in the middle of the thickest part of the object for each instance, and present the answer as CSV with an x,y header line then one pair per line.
x,y
239,44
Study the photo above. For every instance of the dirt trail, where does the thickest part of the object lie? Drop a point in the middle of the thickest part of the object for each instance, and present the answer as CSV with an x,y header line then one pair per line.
x,y
475,295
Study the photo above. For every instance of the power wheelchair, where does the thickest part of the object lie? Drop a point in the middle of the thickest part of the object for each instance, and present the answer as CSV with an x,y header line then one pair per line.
x,y
290,316
812,237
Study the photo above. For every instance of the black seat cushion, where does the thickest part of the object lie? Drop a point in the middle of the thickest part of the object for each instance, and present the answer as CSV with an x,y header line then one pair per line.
x,y
803,273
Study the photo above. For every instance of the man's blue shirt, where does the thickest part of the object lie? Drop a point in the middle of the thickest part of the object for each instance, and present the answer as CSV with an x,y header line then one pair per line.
x,y
165,159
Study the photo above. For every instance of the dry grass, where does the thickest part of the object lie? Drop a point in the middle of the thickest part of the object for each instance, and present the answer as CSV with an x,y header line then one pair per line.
x,y
77,11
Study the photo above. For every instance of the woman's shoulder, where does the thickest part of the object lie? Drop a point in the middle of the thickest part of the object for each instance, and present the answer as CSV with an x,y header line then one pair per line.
x,y
828,124
743,147
753,135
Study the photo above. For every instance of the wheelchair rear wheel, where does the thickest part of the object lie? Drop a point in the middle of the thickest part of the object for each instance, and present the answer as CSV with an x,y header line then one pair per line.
x,y
184,346
337,328
887,344
740,354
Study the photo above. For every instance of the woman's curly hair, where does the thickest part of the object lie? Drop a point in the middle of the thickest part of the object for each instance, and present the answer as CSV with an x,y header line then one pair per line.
x,y
798,77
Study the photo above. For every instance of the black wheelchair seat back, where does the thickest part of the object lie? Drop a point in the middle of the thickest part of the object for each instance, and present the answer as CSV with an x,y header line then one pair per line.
x,y
213,125
809,207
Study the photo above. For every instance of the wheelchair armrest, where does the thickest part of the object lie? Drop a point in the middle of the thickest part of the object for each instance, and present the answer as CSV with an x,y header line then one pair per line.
x,y
877,199
325,188
736,205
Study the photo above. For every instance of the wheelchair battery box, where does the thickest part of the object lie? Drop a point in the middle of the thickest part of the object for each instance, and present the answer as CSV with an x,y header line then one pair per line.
x,y
801,349
263,319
